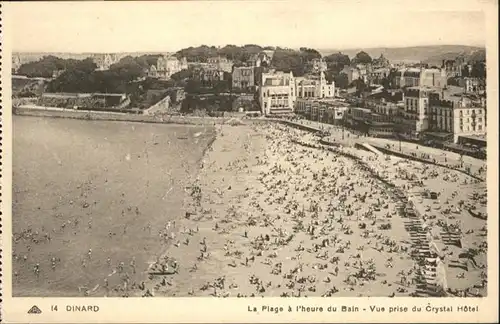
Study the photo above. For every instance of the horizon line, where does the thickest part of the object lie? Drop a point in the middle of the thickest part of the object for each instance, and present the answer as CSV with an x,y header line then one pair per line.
x,y
222,46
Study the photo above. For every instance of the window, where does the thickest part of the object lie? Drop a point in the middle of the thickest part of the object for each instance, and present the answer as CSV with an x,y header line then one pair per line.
x,y
479,127
480,119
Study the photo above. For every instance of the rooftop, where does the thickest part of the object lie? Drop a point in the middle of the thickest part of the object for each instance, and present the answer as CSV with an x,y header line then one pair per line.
x,y
362,109
276,82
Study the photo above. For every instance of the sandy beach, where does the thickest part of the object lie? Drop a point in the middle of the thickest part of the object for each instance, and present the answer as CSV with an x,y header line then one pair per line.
x,y
273,213
264,210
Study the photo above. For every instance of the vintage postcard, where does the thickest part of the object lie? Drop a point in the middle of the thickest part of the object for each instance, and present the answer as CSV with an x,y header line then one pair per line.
x,y
200,161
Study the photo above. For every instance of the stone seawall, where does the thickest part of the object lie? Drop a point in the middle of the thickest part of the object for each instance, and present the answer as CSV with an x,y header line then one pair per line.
x,y
113,116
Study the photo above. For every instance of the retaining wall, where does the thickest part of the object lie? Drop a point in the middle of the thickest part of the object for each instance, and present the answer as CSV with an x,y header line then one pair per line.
x,y
111,116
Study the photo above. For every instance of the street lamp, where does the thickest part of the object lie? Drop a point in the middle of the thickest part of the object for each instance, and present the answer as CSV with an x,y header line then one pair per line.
x,y
399,139
342,129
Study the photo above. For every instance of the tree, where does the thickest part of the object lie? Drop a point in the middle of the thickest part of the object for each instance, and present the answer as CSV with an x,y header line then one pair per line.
x,y
362,58
309,54
47,65
341,81
287,60
145,61
387,80
239,54
193,86
183,75
453,81
81,76
478,70
465,71
360,85
197,54
128,68
337,61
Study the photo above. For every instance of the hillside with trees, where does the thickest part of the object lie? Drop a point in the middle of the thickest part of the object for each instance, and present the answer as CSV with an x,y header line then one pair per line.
x,y
238,54
125,76
409,54
47,65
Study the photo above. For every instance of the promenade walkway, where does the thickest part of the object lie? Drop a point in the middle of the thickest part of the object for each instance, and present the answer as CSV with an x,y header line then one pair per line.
x,y
466,164
372,149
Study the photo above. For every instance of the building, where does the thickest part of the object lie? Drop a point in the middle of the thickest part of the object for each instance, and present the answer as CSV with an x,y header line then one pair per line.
x,y
176,94
369,122
381,62
357,118
197,65
472,85
262,59
152,73
457,114
16,62
331,111
419,77
277,94
166,66
376,76
389,105
318,65
104,61
455,68
358,72
209,76
416,110
243,78
57,73
220,63
314,86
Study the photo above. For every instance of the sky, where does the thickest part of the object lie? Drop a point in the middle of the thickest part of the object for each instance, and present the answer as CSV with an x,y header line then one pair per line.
x,y
157,26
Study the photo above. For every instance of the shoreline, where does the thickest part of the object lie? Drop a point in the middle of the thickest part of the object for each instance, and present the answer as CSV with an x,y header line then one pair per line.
x,y
193,120
113,116
237,166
